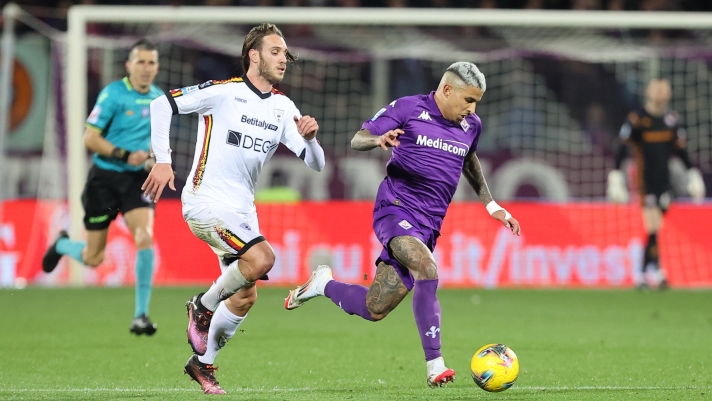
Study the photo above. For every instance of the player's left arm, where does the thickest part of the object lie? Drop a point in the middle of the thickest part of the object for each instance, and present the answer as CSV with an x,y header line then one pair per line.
x,y
695,183
473,172
300,138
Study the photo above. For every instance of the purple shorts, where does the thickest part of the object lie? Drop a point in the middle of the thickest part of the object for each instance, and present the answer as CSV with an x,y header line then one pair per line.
x,y
394,221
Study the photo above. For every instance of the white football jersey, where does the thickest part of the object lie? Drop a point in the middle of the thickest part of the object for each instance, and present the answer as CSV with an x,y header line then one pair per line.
x,y
239,130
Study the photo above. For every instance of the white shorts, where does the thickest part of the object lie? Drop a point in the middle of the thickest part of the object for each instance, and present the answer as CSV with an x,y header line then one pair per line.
x,y
229,233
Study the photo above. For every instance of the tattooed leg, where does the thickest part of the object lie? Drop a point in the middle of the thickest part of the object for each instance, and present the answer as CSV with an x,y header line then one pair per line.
x,y
414,255
386,292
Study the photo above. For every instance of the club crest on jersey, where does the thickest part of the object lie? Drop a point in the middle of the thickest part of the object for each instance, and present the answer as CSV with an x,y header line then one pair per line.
x,y
670,120
278,114
465,126
145,112
245,226
405,224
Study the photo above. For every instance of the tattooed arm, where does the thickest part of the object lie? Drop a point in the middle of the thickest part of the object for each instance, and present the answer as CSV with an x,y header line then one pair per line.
x,y
473,172
363,140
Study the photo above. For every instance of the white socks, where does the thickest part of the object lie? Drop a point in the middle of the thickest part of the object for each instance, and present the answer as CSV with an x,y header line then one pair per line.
x,y
222,327
226,285
436,365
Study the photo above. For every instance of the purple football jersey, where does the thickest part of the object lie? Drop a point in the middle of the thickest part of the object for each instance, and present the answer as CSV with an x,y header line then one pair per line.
x,y
424,170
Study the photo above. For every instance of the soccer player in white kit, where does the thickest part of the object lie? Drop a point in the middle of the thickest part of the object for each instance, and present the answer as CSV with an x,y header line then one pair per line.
x,y
242,122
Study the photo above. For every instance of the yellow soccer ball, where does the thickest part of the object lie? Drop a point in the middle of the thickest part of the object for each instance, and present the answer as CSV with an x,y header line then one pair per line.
x,y
494,367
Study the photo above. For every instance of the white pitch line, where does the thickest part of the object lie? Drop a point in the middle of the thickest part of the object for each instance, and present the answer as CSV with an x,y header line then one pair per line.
x,y
564,388
276,389
144,390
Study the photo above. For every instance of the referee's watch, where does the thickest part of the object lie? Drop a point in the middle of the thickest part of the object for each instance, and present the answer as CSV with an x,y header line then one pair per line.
x,y
120,154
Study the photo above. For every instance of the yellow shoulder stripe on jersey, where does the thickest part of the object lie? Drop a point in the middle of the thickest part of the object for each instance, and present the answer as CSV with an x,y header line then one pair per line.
x,y
225,81
184,91
94,127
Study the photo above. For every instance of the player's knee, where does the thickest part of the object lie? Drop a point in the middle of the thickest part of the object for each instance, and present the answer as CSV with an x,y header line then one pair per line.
x,y
93,259
143,238
263,264
378,316
425,271
378,313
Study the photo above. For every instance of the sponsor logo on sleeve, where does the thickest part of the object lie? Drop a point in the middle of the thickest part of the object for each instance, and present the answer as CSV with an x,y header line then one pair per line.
x,y
189,89
94,115
383,110
206,84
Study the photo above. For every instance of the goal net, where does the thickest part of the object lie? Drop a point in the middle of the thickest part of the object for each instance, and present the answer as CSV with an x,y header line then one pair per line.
x,y
559,86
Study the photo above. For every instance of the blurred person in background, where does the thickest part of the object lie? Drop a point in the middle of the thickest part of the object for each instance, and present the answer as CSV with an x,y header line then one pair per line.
x,y
118,131
655,134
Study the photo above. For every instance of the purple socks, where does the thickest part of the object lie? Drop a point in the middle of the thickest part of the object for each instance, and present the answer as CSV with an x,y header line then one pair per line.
x,y
426,309
350,298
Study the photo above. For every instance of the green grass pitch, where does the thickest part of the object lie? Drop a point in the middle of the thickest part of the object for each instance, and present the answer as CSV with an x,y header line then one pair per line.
x,y
74,344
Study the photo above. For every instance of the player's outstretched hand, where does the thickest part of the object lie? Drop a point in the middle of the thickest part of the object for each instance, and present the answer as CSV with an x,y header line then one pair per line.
x,y
510,223
307,127
616,190
160,175
695,185
390,139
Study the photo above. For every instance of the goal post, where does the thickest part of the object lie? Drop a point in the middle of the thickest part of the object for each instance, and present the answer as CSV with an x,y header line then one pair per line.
x,y
81,15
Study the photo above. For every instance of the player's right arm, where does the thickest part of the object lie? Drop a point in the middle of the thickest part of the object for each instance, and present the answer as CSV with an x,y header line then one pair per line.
x,y
364,140
187,100
384,128
99,119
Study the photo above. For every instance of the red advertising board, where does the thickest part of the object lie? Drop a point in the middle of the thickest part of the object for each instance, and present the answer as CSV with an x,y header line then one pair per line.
x,y
562,245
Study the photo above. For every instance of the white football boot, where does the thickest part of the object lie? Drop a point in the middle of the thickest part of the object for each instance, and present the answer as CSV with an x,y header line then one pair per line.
x,y
313,288
438,374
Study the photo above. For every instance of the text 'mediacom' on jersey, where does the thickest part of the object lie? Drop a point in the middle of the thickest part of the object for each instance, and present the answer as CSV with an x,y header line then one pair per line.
x,y
258,123
442,145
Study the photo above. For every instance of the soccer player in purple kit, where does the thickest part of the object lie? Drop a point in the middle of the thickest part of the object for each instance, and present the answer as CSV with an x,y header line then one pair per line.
x,y
434,138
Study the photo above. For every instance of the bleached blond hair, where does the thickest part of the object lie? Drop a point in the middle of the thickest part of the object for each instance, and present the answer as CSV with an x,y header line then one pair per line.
x,y
468,73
